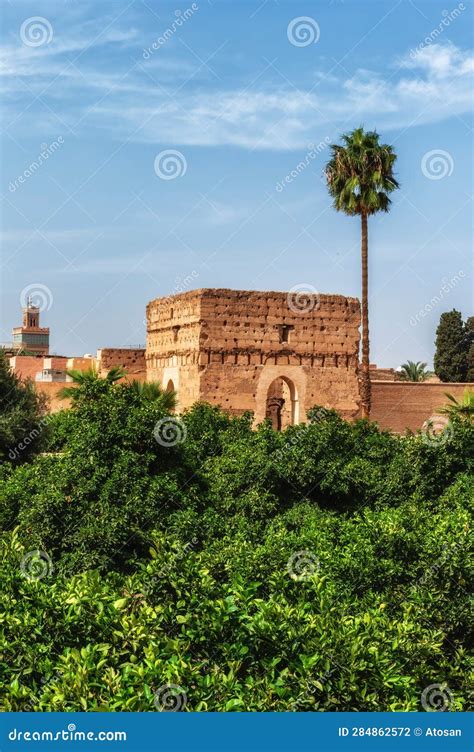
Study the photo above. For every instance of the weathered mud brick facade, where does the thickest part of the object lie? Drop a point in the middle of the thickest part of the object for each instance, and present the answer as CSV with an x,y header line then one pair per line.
x,y
259,351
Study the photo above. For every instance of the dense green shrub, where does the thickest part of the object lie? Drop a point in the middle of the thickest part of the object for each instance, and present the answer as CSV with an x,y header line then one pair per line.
x,y
322,568
378,615
454,337
92,503
22,416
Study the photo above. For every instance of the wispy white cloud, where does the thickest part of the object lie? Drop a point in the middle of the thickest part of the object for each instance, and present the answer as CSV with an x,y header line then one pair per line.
x,y
440,61
23,60
436,87
167,99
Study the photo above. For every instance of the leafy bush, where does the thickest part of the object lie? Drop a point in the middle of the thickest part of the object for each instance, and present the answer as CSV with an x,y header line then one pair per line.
x,y
322,568
22,416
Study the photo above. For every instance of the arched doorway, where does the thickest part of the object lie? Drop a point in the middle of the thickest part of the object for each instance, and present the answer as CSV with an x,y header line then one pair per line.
x,y
170,388
282,403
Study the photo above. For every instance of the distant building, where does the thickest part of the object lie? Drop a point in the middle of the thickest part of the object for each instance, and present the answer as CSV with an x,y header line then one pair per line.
x,y
30,337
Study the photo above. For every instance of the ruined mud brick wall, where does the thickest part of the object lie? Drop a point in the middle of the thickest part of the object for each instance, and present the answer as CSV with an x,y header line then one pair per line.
x,y
227,347
173,345
132,360
382,374
399,405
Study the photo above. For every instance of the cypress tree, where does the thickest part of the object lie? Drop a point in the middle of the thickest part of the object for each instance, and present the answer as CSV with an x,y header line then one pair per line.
x,y
470,348
450,360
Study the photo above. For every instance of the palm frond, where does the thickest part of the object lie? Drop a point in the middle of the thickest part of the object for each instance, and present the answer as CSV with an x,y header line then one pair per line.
x,y
411,371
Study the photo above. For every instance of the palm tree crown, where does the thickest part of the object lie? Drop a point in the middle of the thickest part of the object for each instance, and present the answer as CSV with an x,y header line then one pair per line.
x,y
411,371
87,378
148,390
152,390
360,173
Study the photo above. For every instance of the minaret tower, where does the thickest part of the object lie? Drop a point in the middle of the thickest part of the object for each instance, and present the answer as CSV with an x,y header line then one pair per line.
x,y
30,336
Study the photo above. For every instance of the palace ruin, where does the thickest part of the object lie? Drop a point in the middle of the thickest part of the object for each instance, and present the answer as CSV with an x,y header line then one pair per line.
x,y
267,352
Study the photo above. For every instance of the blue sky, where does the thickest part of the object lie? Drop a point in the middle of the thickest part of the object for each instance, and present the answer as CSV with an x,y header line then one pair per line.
x,y
241,90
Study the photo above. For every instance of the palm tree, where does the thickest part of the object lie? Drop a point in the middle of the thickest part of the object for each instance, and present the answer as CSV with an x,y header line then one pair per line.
x,y
411,371
152,390
463,408
89,377
360,177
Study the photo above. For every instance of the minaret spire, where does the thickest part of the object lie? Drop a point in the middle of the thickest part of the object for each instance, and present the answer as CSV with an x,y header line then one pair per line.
x,y
30,337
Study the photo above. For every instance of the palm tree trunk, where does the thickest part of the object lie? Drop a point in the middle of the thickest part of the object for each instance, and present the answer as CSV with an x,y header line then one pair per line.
x,y
365,385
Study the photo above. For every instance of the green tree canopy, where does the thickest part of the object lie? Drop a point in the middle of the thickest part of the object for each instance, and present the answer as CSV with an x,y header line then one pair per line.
x,y
22,414
451,355
470,349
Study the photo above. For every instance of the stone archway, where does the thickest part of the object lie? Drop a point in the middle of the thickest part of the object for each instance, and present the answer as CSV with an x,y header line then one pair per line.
x,y
282,403
170,386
